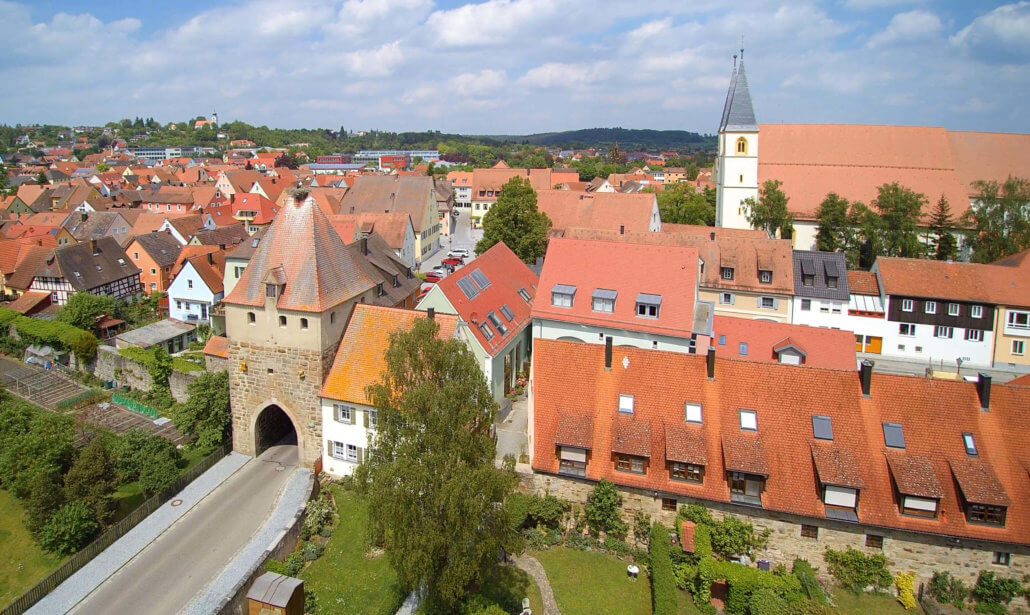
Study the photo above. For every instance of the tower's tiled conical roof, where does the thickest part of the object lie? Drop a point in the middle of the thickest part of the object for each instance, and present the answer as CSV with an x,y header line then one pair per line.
x,y
738,115
301,251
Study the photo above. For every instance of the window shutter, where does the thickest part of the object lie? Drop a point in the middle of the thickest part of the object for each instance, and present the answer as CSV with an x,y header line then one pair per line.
x,y
361,455
329,448
336,412
733,299
364,415
353,411
776,303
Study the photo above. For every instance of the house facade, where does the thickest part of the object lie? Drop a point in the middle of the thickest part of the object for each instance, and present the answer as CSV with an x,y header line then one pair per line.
x,y
197,287
155,254
99,266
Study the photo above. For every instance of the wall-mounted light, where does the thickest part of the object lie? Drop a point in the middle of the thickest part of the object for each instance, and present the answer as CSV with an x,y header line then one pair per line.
x,y
243,366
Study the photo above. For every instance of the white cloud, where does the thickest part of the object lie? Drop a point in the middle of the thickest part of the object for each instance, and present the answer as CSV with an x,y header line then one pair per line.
x,y
563,75
495,22
1000,36
863,5
908,28
484,83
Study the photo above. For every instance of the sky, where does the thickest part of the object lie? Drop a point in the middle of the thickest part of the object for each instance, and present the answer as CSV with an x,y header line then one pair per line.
x,y
515,66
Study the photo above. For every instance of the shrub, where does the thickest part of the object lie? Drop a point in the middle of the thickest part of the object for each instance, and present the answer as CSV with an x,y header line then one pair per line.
x,y
641,528
615,545
533,510
152,460
809,584
276,566
294,564
856,571
72,527
765,602
702,542
743,581
697,513
663,583
310,602
603,511
905,582
311,551
575,540
731,536
946,589
82,344
684,574
318,514
993,590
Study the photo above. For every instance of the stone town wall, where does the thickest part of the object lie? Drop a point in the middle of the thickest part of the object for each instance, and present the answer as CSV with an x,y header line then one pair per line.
x,y
288,377
110,365
906,551
216,364
178,383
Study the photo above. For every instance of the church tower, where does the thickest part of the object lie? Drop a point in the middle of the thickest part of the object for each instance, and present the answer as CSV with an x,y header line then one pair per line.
x,y
737,160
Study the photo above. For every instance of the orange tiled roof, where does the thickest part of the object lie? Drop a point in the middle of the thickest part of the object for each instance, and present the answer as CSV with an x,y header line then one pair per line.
x,y
361,357
629,269
570,380
991,156
863,283
823,347
608,211
934,279
217,346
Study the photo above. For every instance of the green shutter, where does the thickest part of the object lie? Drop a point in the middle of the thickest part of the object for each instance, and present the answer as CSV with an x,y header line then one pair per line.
x,y
364,415
361,455
353,418
329,448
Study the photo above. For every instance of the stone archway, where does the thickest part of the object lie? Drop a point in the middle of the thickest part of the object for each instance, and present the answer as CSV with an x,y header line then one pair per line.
x,y
272,426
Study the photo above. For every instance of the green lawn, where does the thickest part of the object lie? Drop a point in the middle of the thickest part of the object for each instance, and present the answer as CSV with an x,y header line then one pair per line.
x,y
589,583
344,579
22,562
881,604
685,604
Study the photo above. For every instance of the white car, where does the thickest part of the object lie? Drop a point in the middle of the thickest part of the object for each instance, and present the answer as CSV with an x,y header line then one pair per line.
x,y
462,252
441,271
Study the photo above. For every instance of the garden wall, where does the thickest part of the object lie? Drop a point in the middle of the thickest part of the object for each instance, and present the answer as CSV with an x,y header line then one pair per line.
x,y
906,551
112,366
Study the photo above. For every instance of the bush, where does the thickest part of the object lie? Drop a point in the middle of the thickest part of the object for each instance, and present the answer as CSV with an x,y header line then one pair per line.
x,y
318,515
684,574
311,551
905,582
641,528
72,527
276,566
856,571
63,336
702,542
731,536
696,513
663,584
294,563
946,589
603,513
765,602
615,545
744,581
809,584
152,460
992,590
528,511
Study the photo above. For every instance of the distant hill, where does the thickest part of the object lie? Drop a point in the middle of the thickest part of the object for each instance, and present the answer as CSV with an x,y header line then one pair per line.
x,y
627,138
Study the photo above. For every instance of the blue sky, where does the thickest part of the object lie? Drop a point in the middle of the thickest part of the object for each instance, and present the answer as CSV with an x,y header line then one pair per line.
x,y
516,66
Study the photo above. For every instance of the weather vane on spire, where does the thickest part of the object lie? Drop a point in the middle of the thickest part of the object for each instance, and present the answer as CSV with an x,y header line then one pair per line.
x,y
741,47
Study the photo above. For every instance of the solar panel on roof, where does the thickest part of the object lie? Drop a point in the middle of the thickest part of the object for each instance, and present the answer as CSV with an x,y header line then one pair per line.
x,y
480,279
893,436
508,314
822,428
467,287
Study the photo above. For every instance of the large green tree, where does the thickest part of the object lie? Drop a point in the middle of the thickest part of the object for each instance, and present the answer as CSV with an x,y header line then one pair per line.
x,y
83,309
999,220
682,204
942,240
899,209
152,460
769,212
435,495
515,220
836,231
206,414
93,479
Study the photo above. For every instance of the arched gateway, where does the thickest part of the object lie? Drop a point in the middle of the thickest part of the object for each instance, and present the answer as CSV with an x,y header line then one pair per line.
x,y
273,426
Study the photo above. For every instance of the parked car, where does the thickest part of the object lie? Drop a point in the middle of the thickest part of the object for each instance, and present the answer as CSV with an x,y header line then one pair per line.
x,y
460,252
453,261
442,271
433,277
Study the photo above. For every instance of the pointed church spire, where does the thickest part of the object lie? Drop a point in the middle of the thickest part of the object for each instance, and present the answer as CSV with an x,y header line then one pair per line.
x,y
738,115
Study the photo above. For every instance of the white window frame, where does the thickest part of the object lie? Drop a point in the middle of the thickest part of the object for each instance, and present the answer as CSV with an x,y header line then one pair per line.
x,y
351,452
726,298
944,332
908,305
771,300
930,307
561,299
976,311
953,309
339,450
692,413
343,410
1018,348
748,420
1013,316
625,403
974,335
600,304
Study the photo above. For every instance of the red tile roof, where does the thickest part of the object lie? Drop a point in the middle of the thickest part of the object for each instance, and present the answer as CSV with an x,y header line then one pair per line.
x,y
570,379
822,347
609,211
991,156
978,482
685,444
507,275
361,357
575,430
959,281
631,437
914,475
629,269
863,283
217,346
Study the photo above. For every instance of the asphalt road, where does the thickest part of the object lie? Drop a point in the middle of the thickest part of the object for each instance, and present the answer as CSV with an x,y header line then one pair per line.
x,y
463,237
183,560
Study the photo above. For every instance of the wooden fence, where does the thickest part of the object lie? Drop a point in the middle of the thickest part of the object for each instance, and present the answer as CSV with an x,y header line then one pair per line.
x,y
119,529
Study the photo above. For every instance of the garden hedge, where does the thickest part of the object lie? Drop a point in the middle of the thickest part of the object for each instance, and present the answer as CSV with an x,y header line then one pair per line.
x,y
663,585
52,333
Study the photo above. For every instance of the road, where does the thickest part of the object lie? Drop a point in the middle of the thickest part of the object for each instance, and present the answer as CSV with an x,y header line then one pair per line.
x,y
182,561
463,237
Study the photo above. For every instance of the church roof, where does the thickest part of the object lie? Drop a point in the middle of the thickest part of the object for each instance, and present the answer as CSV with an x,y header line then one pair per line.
x,y
738,115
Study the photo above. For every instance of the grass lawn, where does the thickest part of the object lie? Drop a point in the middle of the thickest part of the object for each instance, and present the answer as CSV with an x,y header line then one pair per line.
x,y
22,562
129,495
685,603
590,583
510,586
881,604
344,580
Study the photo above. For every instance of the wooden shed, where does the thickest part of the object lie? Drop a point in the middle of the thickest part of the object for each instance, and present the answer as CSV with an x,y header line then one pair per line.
x,y
276,594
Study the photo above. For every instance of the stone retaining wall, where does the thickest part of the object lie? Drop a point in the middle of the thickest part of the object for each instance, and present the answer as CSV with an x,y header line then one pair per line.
x,y
110,365
906,551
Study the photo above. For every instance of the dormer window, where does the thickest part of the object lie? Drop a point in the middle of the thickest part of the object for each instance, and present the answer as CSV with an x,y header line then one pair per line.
x,y
603,300
271,290
562,295
831,281
726,273
764,276
648,305
808,279
379,290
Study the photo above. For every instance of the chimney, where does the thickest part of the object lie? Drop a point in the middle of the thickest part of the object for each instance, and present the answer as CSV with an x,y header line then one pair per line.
x,y
232,198
364,246
431,313
710,362
93,247
983,391
608,352
866,376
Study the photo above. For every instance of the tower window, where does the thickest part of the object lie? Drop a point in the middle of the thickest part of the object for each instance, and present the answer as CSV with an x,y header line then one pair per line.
x,y
742,146
282,321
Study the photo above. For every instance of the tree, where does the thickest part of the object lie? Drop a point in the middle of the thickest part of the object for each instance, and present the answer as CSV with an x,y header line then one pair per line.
x,y
206,414
45,497
682,204
72,527
770,212
93,479
614,155
103,167
435,496
603,513
41,179
515,220
999,220
899,209
835,232
943,245
83,309
46,446
152,460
